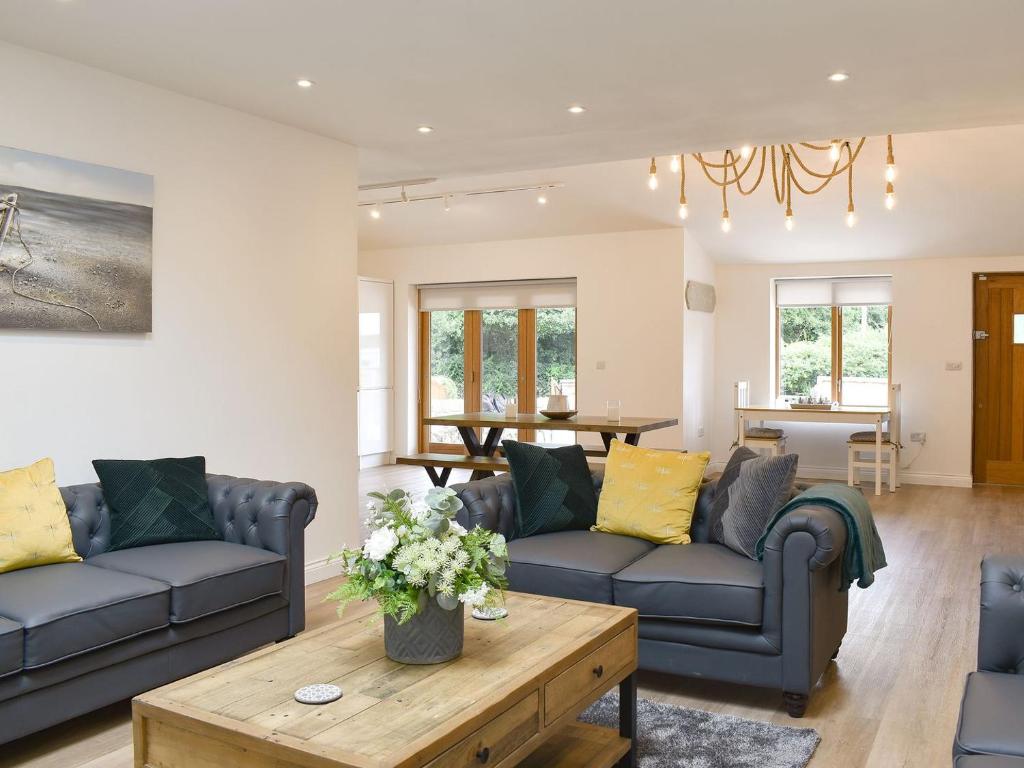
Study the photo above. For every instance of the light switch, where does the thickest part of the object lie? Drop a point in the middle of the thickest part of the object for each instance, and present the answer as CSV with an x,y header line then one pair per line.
x,y
600,365
954,366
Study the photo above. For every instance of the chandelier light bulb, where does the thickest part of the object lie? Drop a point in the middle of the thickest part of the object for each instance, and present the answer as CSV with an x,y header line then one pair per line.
x,y
726,223
447,204
851,217
375,211
833,150
683,211
789,222
890,172
674,164
652,178
746,151
890,200
542,197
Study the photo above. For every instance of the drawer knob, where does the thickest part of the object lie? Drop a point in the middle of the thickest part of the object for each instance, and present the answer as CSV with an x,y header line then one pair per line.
x,y
483,755
598,670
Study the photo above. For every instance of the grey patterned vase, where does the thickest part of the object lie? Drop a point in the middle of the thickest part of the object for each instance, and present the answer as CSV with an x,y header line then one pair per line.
x,y
431,636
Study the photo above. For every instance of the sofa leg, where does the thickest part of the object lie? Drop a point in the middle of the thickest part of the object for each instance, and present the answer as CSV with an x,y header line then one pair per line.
x,y
796,703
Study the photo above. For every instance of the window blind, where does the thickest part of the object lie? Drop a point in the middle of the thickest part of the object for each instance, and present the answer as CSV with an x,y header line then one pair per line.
x,y
511,294
833,291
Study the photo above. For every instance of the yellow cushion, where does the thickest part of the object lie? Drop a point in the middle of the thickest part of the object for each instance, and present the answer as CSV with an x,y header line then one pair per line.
x,y
650,494
34,526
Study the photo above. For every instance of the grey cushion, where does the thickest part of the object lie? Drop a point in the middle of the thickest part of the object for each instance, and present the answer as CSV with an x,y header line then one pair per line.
x,y
770,433
205,576
867,437
72,608
763,486
991,716
573,564
11,641
988,761
721,499
694,582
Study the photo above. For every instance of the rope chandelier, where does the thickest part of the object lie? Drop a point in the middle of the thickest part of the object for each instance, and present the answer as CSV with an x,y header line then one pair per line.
x,y
745,170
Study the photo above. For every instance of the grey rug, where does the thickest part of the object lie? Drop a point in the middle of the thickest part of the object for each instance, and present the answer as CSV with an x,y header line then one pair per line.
x,y
675,737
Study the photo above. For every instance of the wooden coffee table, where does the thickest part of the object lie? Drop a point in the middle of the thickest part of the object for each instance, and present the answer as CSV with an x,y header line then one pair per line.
x,y
511,699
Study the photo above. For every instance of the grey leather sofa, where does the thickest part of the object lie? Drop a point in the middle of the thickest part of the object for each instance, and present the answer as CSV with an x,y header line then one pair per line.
x,y
705,611
78,636
990,732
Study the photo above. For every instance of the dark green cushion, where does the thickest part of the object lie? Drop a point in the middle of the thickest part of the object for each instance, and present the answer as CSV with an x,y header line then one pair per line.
x,y
156,502
554,489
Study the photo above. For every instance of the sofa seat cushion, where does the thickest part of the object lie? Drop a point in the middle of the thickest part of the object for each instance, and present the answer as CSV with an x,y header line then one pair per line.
x,y
988,761
205,577
705,583
991,718
71,608
572,564
11,643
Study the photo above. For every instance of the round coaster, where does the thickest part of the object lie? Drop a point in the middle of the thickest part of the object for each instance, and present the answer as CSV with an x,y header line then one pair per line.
x,y
320,693
490,614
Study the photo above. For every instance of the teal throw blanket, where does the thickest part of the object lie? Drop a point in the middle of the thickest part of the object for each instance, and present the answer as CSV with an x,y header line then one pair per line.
x,y
864,554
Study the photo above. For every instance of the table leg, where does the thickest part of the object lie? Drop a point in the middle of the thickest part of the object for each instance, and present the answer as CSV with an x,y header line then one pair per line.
x,y
741,433
606,438
878,458
473,446
627,719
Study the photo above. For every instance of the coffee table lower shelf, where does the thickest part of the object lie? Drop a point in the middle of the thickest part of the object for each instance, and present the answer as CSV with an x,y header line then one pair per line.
x,y
580,745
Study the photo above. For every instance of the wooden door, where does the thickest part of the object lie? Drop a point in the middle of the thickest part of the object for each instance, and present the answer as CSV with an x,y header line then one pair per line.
x,y
999,378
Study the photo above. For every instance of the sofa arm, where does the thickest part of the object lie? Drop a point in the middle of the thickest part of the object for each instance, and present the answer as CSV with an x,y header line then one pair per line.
x,y
823,525
1001,630
489,503
271,516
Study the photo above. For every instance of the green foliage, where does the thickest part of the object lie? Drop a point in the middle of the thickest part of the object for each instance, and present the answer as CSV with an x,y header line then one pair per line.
x,y
417,553
556,349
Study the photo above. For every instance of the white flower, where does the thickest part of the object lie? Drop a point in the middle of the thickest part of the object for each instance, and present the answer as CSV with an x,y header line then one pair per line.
x,y
475,597
403,530
380,544
457,529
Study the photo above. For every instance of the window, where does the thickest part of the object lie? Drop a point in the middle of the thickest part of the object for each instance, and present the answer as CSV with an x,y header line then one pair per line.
x,y
833,339
483,344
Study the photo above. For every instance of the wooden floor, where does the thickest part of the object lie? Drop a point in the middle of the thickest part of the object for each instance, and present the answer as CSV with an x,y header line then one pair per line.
x,y
890,700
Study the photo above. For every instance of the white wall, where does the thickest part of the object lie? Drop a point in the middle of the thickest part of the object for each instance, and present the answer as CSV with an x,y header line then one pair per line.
x,y
252,358
932,324
699,393
629,314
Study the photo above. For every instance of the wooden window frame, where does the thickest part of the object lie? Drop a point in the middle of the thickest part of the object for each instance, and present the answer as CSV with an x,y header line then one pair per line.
x,y
837,352
473,371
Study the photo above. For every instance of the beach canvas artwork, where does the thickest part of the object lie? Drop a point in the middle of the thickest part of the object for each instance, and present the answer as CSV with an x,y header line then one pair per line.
x,y
76,245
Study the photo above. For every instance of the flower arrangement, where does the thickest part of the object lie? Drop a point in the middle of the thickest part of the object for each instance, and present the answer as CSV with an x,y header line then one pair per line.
x,y
418,552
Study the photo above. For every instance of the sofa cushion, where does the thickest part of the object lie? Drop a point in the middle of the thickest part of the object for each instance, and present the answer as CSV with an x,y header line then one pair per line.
x,y
554,490
988,761
34,528
573,564
763,486
71,608
705,583
991,718
204,576
11,642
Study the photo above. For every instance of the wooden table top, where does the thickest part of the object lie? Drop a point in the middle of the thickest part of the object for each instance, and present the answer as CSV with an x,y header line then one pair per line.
x,y
390,714
578,423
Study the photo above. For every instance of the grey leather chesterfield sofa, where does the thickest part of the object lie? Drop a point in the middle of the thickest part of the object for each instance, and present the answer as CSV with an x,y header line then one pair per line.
x,y
78,636
705,611
990,733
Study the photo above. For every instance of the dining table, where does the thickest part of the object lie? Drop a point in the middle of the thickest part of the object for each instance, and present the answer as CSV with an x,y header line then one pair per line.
x,y
874,416
483,459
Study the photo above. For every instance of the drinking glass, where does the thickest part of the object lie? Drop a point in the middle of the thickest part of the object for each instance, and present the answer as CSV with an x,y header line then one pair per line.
x,y
614,411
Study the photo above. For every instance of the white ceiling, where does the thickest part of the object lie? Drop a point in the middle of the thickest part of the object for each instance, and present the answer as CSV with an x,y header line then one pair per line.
x,y
958,194
494,78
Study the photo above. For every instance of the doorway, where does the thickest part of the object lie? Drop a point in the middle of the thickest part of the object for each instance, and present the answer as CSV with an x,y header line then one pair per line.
x,y
999,378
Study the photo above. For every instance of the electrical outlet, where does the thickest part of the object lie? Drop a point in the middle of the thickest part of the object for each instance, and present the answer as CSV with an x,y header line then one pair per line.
x,y
954,366
700,431
918,437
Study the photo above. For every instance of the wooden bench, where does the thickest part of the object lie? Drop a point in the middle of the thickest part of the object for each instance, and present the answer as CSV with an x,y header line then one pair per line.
x,y
481,466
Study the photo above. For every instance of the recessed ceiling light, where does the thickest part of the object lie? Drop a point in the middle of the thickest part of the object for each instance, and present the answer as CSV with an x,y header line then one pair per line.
x,y
303,82
839,77
577,109
425,129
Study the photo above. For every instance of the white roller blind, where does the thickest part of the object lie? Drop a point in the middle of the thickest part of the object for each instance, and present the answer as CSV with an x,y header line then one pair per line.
x,y
833,291
512,294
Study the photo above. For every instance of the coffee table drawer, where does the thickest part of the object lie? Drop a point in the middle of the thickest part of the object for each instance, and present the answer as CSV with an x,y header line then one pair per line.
x,y
565,691
498,739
